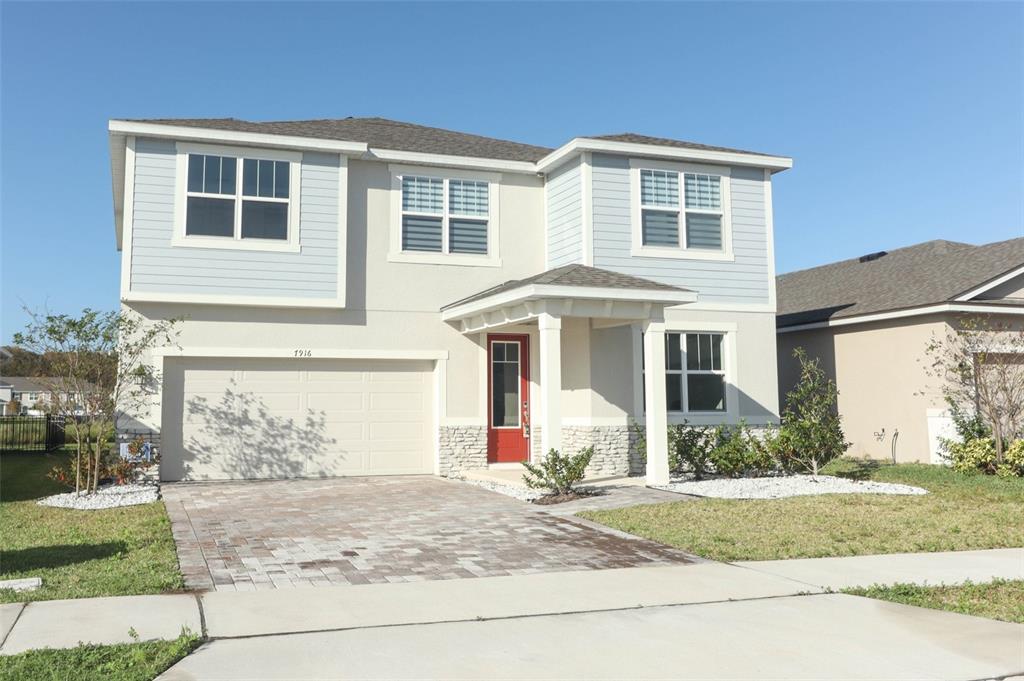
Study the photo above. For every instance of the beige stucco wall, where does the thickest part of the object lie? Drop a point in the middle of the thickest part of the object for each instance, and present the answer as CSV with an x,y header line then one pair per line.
x,y
880,371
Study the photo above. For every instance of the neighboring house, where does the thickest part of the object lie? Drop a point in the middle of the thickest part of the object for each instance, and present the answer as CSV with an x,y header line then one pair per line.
x,y
870,319
30,396
363,296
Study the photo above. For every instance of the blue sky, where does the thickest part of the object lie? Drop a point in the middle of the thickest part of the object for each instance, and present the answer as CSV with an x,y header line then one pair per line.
x,y
904,120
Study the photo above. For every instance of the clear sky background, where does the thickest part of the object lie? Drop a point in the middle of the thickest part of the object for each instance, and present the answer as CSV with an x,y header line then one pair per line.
x,y
905,120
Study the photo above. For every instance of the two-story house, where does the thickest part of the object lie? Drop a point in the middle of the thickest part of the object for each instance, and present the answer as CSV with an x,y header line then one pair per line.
x,y
369,297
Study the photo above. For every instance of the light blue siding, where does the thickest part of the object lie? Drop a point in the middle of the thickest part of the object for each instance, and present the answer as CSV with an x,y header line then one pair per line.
x,y
565,215
159,267
744,280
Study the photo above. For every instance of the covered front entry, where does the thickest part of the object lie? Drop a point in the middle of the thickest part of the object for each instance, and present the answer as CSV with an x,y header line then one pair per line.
x,y
508,395
605,300
235,418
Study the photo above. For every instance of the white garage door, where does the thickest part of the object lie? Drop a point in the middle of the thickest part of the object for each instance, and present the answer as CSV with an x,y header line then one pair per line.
x,y
245,419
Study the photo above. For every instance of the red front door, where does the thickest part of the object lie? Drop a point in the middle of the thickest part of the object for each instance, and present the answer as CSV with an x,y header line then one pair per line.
x,y
508,398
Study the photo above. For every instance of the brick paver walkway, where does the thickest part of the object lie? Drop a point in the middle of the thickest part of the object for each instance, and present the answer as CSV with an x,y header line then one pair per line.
x,y
265,535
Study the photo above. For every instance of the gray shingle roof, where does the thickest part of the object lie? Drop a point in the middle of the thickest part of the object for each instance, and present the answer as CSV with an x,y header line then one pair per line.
x,y
377,132
574,275
924,274
636,138
387,134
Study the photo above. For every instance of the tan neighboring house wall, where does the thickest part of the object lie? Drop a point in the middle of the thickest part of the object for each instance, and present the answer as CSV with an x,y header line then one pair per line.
x,y
884,388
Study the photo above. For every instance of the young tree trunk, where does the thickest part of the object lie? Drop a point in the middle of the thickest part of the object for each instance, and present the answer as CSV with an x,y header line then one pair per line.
x,y
96,475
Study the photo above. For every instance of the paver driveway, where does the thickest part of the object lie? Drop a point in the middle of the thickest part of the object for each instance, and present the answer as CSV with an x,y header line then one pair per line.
x,y
265,535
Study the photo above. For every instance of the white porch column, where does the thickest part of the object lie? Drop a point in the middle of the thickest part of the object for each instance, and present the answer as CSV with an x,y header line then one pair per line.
x,y
550,422
654,397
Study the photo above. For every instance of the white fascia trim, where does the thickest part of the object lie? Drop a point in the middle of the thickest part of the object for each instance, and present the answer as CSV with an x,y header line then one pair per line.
x,y
1001,279
301,353
536,291
586,208
446,161
711,306
912,312
261,139
125,233
582,144
233,300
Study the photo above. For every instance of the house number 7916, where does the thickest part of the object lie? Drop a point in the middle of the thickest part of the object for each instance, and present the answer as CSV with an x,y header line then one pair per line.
x,y
303,353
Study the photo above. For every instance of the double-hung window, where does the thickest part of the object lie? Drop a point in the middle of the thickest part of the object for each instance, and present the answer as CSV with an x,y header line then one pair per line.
x,y
444,219
239,200
695,372
680,212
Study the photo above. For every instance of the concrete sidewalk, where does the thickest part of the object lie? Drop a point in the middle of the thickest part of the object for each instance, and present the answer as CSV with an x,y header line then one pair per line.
x,y
62,624
951,567
822,636
221,615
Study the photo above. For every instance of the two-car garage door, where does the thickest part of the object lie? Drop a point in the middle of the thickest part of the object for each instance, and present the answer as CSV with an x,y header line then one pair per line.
x,y
267,418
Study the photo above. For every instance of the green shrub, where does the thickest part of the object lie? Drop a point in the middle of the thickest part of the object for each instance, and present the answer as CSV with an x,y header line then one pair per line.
x,y
738,452
978,455
689,449
813,434
558,474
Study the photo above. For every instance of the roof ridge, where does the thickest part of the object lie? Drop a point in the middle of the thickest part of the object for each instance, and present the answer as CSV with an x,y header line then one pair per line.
x,y
844,261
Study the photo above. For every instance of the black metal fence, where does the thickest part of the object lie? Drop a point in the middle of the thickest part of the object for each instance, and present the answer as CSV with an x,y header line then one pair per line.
x,y
31,433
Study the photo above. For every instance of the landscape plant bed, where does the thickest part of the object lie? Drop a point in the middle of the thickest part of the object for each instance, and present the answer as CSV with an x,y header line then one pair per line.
x,y
107,496
998,600
961,512
121,662
112,552
782,486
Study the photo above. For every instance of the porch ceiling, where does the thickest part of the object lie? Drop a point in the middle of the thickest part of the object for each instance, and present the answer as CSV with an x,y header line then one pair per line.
x,y
569,291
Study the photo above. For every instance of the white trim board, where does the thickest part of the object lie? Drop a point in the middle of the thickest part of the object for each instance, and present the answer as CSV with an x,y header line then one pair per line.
x,y
299,353
991,284
534,291
980,308
233,300
580,144
182,132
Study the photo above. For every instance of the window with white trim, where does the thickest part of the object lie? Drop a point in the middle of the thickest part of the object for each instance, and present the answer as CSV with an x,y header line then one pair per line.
x,y
444,215
691,219
694,372
236,197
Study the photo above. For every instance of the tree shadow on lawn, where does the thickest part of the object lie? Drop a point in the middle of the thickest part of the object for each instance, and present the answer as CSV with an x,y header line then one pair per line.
x,y
855,469
46,557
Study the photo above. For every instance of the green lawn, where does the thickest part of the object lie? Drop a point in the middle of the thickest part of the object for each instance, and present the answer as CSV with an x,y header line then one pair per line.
x,y
998,600
78,554
962,512
123,662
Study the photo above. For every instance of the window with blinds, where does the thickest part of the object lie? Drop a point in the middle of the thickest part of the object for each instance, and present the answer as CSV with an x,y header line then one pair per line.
x,y
663,214
441,215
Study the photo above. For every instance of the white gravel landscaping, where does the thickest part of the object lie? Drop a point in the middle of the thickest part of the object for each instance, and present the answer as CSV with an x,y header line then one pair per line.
x,y
515,491
111,496
785,486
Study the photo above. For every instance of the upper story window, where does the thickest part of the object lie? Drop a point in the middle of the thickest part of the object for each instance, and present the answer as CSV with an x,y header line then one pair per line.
x,y
238,198
680,212
445,218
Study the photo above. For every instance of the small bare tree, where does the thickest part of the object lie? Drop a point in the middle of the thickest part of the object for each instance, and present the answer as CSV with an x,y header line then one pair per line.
x,y
979,365
96,374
